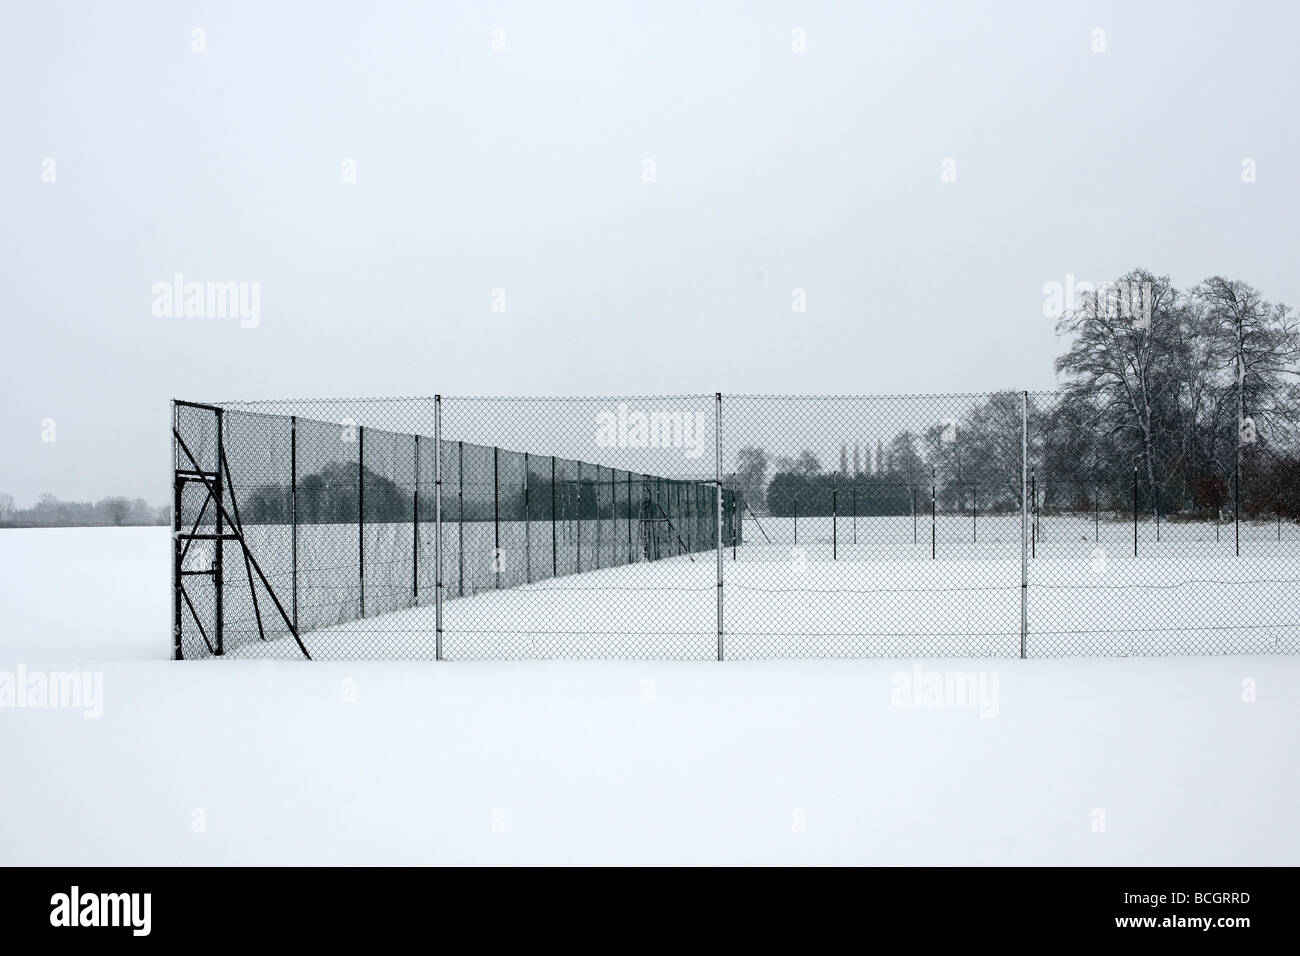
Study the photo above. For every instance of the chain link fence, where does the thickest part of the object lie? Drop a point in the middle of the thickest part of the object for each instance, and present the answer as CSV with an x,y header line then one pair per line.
x,y
702,527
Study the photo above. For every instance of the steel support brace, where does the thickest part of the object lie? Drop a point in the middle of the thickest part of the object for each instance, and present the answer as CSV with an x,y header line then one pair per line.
x,y
222,513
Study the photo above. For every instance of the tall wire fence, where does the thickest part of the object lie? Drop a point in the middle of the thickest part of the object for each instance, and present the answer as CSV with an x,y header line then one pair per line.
x,y
710,526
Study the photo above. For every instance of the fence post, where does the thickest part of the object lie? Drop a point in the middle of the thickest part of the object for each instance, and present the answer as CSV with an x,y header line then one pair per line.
x,y
735,519
1135,511
219,562
555,565
1033,513
855,507
361,513
415,525
577,485
934,514
686,492
437,525
1096,516
718,443
293,510
1024,522
460,519
629,518
178,485
496,517
1236,496
835,523
528,531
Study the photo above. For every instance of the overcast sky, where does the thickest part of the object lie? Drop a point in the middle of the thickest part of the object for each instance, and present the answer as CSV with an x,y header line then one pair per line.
x,y
524,169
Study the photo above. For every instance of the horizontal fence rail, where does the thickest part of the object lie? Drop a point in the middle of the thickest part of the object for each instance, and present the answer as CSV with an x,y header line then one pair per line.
x,y
715,526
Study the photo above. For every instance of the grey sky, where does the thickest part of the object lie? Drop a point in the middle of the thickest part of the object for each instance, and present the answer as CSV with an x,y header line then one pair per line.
x,y
522,170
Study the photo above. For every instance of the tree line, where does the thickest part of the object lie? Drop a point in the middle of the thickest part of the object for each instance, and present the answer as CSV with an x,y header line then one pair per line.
x,y
51,512
1185,400
333,495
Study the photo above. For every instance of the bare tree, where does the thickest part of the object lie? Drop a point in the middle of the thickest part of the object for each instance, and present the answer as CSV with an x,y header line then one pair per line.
x,y
751,475
1254,345
807,464
1123,359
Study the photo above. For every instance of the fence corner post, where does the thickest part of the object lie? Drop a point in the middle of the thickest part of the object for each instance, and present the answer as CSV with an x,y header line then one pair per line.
x,y
219,568
178,652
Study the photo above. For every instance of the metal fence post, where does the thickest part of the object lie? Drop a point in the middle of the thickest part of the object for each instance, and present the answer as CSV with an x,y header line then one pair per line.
x,y
437,526
735,520
219,565
178,485
415,527
835,524
687,492
361,514
460,519
528,531
718,443
1135,511
1236,497
555,565
934,514
293,510
1024,522
496,517
1033,513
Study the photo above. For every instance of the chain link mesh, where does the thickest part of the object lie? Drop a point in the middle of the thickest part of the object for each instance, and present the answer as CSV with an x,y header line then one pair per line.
x,y
882,526
859,526
1139,551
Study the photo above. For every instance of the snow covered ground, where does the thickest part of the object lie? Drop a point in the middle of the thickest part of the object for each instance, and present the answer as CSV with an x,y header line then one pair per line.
x,y
1073,760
